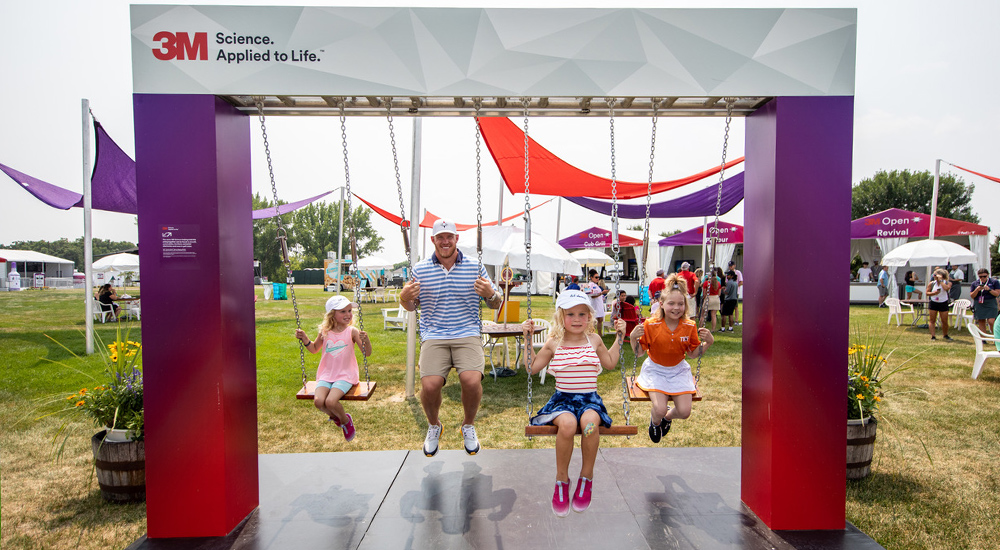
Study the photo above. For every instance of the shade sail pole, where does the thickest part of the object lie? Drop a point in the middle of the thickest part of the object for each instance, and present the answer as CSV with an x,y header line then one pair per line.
x,y
88,250
411,322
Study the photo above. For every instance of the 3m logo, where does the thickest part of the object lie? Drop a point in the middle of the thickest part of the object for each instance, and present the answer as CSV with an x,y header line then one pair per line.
x,y
180,46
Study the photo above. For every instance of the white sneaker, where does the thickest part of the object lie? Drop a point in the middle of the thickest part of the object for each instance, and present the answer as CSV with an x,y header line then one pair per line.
x,y
431,441
471,441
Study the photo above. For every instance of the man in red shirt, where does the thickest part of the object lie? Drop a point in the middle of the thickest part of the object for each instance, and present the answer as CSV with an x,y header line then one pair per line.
x,y
692,285
656,285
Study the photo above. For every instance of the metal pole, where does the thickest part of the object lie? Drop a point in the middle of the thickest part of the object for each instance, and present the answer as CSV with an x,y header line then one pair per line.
x,y
704,244
423,238
558,222
340,239
88,250
411,322
934,201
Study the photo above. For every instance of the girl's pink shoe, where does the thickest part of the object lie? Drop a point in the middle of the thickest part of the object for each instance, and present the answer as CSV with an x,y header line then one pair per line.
x,y
560,499
348,428
581,497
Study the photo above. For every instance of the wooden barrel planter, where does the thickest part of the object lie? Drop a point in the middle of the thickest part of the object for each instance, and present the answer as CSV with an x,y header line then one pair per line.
x,y
860,447
121,468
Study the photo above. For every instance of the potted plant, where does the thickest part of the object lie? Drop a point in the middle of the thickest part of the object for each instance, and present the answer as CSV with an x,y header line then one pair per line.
x,y
867,369
115,404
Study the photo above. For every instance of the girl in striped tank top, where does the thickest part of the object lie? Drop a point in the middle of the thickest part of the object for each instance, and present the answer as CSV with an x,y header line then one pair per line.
x,y
574,355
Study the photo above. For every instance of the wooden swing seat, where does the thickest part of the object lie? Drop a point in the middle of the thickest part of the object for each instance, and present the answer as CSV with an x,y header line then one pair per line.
x,y
553,430
635,393
359,392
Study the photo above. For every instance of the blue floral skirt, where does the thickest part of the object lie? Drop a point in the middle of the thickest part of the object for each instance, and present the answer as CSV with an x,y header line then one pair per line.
x,y
575,403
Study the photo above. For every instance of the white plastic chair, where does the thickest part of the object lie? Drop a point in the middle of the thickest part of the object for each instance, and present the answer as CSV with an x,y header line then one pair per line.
x,y
982,353
99,312
538,340
897,308
394,317
960,311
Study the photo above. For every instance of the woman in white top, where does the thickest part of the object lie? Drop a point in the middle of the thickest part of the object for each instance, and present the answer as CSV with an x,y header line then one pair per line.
x,y
937,293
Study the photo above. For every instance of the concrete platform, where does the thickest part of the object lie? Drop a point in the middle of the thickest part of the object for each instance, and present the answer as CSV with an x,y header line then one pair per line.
x,y
677,498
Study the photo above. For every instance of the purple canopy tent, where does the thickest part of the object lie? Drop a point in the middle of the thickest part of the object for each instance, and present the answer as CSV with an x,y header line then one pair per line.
x,y
730,235
699,203
595,237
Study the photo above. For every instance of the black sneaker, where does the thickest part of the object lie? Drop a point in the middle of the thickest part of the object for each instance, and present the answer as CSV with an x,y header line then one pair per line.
x,y
933,337
948,338
665,426
654,432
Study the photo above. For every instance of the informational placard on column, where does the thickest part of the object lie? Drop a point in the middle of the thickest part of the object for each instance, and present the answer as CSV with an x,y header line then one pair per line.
x,y
179,242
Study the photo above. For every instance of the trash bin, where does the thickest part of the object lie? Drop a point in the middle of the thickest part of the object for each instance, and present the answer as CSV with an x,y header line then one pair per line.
x,y
268,290
280,291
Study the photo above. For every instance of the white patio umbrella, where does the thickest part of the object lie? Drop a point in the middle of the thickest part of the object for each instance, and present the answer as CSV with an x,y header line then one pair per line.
x,y
506,242
929,252
118,263
591,257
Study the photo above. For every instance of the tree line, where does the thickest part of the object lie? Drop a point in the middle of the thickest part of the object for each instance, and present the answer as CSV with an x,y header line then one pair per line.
x,y
73,250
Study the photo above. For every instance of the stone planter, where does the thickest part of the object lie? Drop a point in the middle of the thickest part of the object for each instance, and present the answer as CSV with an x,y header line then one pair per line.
x,y
860,447
120,467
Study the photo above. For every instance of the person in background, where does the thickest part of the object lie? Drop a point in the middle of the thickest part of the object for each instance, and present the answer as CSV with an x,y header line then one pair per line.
x,y
957,277
739,285
865,273
912,280
692,283
656,285
597,291
700,275
884,280
984,300
730,298
937,293
571,283
713,288
106,295
616,306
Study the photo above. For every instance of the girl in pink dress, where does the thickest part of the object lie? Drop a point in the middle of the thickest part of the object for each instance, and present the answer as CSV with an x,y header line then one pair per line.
x,y
338,367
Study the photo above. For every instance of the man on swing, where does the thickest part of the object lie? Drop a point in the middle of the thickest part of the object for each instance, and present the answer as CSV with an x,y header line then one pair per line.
x,y
447,287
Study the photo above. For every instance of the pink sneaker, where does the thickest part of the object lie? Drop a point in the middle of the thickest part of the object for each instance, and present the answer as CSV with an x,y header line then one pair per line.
x,y
581,497
560,499
349,429
335,420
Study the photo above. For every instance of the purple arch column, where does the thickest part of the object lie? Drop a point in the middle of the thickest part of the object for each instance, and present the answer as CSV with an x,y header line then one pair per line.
x,y
196,249
797,243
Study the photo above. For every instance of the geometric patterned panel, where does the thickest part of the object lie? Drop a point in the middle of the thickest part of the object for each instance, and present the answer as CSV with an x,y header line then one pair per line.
x,y
352,51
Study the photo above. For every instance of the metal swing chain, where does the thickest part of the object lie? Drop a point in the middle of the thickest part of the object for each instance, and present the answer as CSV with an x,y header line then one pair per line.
x,y
715,227
478,102
402,207
354,232
528,348
615,249
645,229
282,237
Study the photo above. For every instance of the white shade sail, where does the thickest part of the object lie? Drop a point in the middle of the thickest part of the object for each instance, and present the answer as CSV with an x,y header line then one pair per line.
x,y
929,252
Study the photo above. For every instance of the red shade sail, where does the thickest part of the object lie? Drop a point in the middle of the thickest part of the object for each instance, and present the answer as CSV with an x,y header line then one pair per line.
x,y
550,174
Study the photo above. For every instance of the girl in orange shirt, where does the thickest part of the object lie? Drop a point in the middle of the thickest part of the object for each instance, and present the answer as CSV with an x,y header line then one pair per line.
x,y
668,336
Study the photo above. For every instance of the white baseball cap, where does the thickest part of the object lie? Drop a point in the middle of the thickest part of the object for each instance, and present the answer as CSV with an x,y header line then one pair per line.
x,y
571,298
444,226
338,302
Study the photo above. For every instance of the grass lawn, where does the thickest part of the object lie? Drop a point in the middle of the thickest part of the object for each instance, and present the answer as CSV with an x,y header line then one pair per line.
x,y
935,480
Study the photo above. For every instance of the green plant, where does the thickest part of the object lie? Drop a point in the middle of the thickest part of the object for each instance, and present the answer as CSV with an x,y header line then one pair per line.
x,y
867,370
116,401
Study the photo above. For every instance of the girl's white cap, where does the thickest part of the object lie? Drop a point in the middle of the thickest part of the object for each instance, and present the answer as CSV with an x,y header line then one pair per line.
x,y
570,298
338,302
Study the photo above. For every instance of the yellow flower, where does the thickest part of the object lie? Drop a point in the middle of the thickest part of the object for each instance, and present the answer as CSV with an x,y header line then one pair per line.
x,y
860,396
864,378
79,403
877,398
83,391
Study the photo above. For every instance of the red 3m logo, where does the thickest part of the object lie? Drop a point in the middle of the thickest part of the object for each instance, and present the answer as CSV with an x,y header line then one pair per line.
x,y
180,46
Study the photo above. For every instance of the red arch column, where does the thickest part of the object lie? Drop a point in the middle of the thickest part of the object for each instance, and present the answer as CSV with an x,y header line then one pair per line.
x,y
797,243
196,249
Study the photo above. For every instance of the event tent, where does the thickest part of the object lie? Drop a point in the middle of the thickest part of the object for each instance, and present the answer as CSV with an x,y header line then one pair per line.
x,y
506,243
30,262
730,237
599,238
875,235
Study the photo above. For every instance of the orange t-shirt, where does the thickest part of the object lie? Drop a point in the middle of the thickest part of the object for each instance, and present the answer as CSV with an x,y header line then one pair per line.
x,y
666,347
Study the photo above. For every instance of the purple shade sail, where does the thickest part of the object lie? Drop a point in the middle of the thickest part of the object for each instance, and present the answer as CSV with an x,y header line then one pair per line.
x,y
112,183
271,212
52,195
699,203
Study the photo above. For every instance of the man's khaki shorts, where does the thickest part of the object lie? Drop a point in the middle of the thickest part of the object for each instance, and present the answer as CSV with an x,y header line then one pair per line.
x,y
438,357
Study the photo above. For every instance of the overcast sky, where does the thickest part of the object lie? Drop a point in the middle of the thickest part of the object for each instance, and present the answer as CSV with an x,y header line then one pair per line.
x,y
926,89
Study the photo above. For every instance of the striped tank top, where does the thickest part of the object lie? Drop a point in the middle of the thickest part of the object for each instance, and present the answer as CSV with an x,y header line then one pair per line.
x,y
575,368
